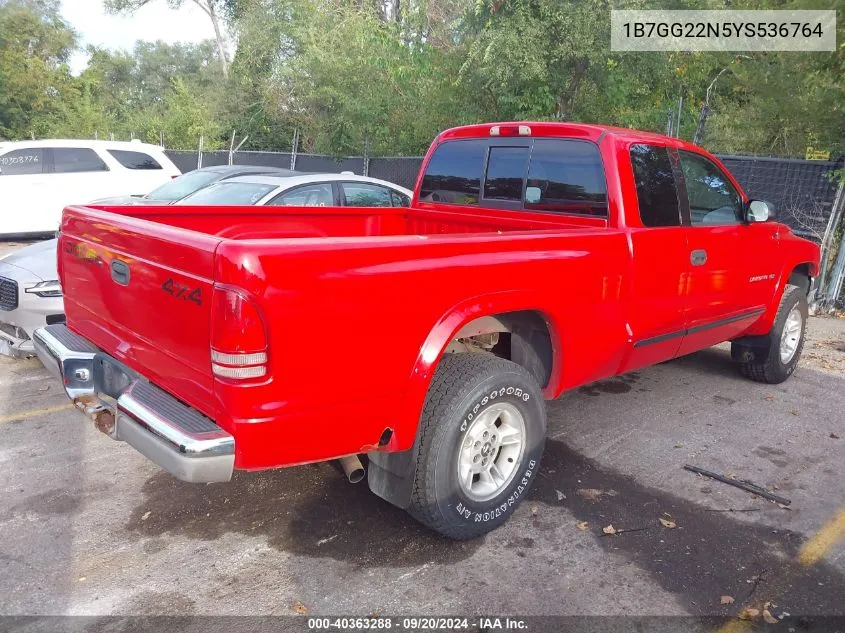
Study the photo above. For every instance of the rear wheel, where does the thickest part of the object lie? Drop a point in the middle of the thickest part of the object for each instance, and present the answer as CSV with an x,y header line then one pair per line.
x,y
781,347
482,434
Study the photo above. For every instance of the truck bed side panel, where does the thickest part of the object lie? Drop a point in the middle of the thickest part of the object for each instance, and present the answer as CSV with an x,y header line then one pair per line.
x,y
348,319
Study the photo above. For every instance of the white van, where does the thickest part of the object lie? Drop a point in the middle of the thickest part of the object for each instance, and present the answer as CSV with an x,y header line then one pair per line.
x,y
40,178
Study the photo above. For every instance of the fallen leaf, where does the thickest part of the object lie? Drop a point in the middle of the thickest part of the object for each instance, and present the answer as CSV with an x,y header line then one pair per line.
x,y
770,397
609,529
726,600
535,510
591,494
834,436
298,607
783,507
582,525
667,524
768,617
146,515
749,613
560,495
794,411
82,579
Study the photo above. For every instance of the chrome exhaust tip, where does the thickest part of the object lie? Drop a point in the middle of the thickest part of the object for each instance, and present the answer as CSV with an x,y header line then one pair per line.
x,y
353,468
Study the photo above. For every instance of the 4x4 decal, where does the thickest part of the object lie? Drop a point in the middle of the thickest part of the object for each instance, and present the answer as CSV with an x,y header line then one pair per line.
x,y
182,292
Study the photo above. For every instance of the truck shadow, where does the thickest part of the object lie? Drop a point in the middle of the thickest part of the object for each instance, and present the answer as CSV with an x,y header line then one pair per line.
x,y
708,555
308,510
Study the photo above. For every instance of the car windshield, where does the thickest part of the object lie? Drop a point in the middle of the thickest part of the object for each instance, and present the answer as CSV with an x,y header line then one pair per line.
x,y
182,186
226,193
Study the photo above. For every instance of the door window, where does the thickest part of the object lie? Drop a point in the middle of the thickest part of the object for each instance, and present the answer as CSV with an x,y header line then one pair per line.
x,y
567,177
361,194
22,162
400,199
71,160
134,160
316,195
713,200
657,193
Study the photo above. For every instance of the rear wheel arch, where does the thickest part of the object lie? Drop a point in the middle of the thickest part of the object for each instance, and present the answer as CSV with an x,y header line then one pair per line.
x,y
529,340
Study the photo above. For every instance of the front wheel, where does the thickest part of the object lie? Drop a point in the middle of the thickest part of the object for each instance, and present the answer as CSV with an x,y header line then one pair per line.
x,y
783,344
482,434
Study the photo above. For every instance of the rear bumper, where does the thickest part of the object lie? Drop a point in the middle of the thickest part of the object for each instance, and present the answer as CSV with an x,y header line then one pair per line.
x,y
127,407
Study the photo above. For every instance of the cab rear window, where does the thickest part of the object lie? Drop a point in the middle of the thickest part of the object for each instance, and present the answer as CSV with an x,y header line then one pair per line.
x,y
453,174
549,175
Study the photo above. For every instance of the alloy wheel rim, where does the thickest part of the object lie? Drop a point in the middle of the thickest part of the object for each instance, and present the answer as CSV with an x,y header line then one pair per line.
x,y
491,451
791,335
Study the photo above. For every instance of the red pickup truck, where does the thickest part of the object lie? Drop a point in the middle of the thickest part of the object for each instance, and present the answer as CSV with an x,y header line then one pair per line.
x,y
534,258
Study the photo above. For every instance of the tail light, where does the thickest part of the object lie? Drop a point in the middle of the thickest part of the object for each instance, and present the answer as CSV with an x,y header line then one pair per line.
x,y
238,336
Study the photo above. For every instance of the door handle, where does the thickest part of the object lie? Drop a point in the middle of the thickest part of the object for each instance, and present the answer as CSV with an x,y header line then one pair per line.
x,y
698,257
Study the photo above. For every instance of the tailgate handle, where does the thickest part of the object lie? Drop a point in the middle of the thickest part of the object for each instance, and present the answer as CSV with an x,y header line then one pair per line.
x,y
120,272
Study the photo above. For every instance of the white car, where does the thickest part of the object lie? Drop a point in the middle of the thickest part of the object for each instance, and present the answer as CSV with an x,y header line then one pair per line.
x,y
30,296
40,178
305,190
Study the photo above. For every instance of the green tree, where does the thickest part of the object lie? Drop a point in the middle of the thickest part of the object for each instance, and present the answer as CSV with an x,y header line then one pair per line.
x,y
35,45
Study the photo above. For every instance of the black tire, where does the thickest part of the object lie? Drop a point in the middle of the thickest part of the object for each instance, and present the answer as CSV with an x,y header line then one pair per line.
x,y
771,369
463,387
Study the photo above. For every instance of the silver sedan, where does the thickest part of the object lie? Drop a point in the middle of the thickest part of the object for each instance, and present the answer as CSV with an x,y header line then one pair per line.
x,y
30,296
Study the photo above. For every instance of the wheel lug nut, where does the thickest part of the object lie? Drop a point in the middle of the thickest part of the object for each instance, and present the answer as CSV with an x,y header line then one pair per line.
x,y
485,435
477,444
484,462
475,459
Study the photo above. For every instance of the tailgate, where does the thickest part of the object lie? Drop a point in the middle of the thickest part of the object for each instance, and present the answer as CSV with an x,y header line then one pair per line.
x,y
141,291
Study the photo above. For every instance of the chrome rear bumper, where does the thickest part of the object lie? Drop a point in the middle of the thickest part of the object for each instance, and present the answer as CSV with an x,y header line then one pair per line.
x,y
127,407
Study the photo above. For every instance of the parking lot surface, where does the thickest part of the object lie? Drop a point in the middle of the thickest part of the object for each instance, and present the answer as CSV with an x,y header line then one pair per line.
x,y
88,526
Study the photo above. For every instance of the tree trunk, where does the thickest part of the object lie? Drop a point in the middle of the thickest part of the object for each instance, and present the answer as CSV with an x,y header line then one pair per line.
x,y
566,101
218,35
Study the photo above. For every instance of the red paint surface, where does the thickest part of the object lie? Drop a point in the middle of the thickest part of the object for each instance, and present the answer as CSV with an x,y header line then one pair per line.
x,y
360,303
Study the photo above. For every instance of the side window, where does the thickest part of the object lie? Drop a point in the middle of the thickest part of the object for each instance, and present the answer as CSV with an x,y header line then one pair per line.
x,y
400,199
657,194
505,173
567,177
361,194
713,200
22,162
70,160
316,195
453,173
134,160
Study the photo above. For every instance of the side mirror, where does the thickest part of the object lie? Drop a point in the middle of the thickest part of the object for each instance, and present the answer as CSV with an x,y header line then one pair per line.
x,y
759,211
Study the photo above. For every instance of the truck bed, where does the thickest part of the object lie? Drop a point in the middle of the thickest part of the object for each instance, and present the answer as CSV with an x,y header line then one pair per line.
x,y
141,288
270,222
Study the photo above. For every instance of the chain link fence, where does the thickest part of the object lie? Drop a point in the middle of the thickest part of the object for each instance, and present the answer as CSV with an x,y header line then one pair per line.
x,y
803,191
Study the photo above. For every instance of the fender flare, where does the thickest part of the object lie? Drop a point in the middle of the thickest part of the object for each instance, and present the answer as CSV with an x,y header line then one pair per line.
x,y
765,322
